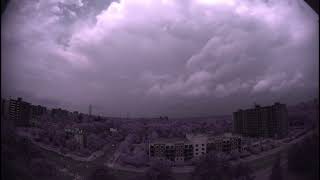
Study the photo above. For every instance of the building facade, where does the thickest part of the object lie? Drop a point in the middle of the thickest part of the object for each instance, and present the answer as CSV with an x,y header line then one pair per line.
x,y
199,143
19,112
192,147
167,149
226,143
268,121
38,110
4,108
79,135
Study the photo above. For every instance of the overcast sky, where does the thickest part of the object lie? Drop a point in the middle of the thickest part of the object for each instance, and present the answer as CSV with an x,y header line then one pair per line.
x,y
159,57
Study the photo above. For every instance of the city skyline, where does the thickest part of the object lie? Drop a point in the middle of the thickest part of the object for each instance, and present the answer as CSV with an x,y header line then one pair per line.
x,y
126,115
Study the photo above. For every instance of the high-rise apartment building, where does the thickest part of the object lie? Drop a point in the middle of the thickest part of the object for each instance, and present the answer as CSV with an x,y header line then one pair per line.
x,y
268,121
4,108
19,112
38,110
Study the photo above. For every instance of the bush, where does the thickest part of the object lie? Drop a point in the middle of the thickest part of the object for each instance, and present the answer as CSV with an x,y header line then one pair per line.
x,y
137,159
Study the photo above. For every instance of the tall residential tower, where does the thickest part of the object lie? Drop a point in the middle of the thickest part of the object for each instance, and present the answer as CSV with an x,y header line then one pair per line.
x,y
19,112
268,121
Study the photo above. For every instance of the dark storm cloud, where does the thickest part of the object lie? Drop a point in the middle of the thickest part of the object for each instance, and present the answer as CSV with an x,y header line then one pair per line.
x,y
151,57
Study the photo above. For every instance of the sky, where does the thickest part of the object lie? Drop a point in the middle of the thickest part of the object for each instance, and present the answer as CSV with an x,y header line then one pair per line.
x,y
149,58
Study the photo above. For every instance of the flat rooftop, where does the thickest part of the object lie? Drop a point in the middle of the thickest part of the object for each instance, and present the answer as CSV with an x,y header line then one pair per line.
x,y
169,140
185,140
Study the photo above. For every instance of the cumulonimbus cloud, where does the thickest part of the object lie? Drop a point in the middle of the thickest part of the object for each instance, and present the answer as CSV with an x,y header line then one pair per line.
x,y
165,48
233,39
